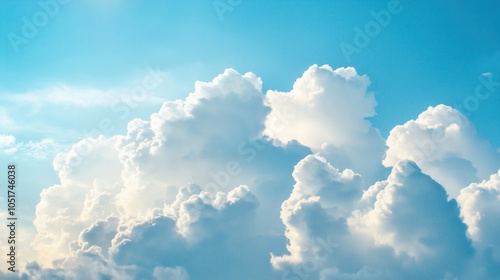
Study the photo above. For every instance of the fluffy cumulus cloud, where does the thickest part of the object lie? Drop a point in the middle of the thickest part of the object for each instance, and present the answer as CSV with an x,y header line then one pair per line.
x,y
315,215
402,227
179,169
446,146
90,179
191,141
232,183
480,209
326,110
412,216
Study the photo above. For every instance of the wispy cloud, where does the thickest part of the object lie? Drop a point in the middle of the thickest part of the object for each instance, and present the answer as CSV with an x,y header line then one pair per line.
x,y
42,149
64,95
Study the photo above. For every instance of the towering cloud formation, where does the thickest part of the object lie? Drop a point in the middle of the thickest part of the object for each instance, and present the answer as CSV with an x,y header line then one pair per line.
x,y
413,217
404,226
231,183
209,142
326,110
191,141
314,216
90,180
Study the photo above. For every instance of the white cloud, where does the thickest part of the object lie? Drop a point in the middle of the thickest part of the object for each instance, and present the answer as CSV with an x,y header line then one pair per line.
x,y
195,191
77,97
446,146
405,227
199,233
41,149
326,110
413,216
86,193
7,140
314,214
178,273
480,209
130,176
141,90
63,95
191,141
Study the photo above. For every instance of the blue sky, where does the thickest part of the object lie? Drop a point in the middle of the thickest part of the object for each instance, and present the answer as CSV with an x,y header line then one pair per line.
x,y
431,53
79,74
